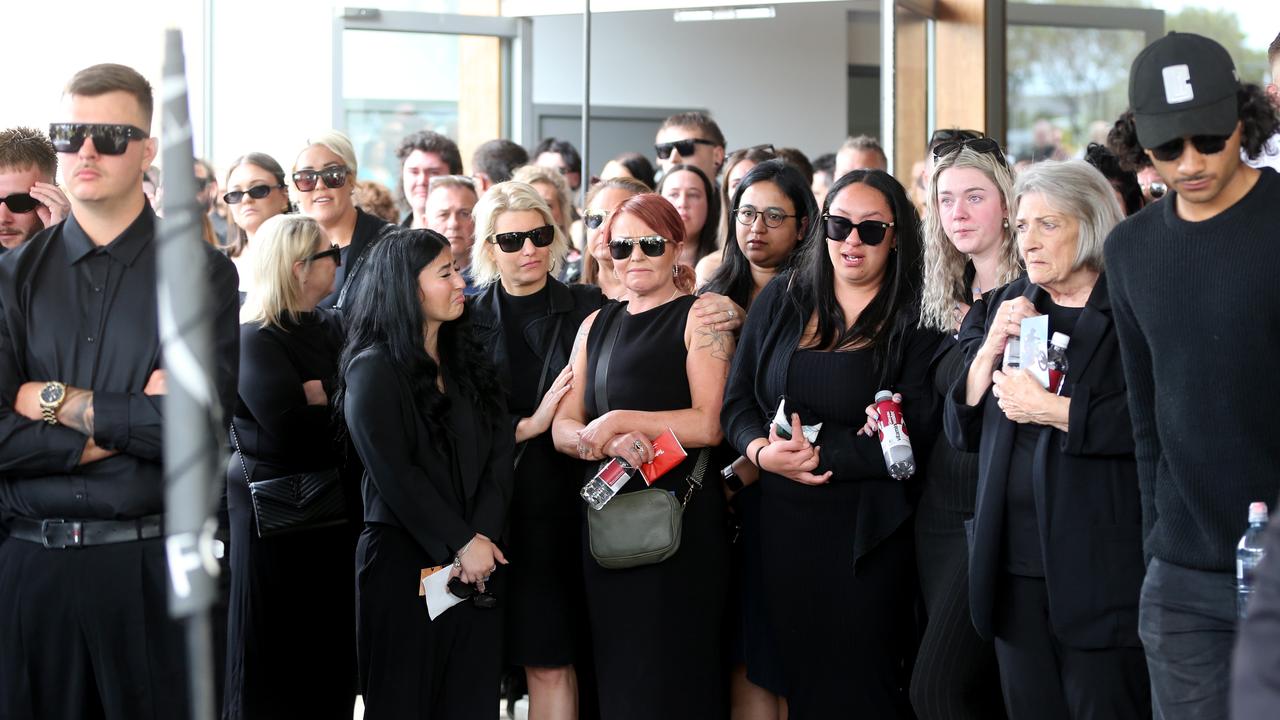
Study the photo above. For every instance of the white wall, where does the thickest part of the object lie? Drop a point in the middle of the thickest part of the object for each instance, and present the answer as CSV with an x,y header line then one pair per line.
x,y
780,81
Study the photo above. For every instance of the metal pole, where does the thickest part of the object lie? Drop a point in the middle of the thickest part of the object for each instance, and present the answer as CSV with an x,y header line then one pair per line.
x,y
194,435
585,151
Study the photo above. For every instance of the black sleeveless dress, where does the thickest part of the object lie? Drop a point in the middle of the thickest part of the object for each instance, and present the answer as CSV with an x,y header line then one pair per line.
x,y
658,630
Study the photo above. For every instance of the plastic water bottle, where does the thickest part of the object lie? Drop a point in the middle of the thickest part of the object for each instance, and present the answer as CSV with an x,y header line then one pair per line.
x,y
1248,555
1057,361
894,441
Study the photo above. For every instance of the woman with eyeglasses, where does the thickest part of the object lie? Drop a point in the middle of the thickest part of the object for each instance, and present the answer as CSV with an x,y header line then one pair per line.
x,y
772,210
970,250
324,177
648,365
255,193
527,320
426,413
835,528
597,264
1055,544
694,197
291,643
736,167
551,185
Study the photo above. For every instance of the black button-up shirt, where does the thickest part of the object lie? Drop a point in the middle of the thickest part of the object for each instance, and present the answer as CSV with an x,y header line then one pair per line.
x,y
86,316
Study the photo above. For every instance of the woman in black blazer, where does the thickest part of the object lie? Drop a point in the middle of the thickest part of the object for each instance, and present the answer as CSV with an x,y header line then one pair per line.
x,y
427,416
1055,544
527,321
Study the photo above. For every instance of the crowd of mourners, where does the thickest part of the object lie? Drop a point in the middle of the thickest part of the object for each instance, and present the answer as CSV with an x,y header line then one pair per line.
x,y
415,387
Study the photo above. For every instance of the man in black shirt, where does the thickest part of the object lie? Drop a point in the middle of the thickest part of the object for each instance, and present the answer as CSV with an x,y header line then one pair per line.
x,y
1196,302
84,627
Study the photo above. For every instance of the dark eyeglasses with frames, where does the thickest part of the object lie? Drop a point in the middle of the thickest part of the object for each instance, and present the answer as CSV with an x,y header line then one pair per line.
x,y
108,139
257,192
595,218
333,177
773,216
984,145
684,147
1204,144
652,245
513,241
334,252
870,232
20,203
950,134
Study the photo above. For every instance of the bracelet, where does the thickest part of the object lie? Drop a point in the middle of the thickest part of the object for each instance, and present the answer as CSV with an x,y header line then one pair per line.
x,y
457,559
758,455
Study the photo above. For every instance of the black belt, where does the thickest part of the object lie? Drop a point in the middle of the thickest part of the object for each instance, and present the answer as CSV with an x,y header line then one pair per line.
x,y
83,533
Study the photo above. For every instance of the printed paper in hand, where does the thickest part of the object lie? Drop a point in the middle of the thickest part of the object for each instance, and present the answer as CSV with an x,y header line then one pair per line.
x,y
1035,347
436,587
667,453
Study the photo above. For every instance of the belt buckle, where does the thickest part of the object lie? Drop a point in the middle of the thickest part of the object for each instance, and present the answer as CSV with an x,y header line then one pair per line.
x,y
77,533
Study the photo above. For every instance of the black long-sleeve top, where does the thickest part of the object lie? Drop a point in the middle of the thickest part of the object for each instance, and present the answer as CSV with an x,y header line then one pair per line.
x,y
368,230
758,378
274,423
442,491
86,316
1197,309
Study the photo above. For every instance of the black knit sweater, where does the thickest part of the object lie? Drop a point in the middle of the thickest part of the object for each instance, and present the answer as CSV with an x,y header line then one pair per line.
x,y
1197,309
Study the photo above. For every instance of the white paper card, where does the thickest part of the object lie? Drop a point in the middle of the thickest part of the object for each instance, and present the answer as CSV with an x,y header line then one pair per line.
x,y
1034,343
436,587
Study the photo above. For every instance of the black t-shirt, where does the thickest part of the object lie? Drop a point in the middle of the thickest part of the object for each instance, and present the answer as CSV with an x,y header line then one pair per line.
x,y
1022,551
525,361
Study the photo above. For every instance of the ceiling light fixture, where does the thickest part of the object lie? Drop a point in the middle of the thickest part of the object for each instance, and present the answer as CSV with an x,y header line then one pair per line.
x,y
764,12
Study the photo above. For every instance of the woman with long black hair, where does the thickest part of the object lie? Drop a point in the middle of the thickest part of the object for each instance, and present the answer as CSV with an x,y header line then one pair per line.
x,y
428,419
835,527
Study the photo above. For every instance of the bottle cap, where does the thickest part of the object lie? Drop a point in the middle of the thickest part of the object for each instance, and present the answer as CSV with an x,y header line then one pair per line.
x,y
883,395
1257,512
1060,339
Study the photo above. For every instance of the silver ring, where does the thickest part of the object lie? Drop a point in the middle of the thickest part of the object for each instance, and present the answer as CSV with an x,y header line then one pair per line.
x,y
638,446
732,314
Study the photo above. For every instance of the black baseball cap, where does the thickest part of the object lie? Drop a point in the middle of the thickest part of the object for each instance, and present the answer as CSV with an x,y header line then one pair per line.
x,y
1180,86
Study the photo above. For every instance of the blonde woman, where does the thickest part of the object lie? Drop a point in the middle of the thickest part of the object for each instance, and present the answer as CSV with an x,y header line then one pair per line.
x,y
970,248
324,180
527,320
554,189
291,649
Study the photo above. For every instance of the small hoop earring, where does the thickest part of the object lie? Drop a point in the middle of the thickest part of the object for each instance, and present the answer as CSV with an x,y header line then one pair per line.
x,y
675,271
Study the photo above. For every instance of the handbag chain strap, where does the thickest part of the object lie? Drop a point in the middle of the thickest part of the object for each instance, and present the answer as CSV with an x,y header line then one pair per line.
x,y
240,453
695,477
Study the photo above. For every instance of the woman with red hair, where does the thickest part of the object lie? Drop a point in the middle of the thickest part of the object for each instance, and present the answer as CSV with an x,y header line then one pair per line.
x,y
649,364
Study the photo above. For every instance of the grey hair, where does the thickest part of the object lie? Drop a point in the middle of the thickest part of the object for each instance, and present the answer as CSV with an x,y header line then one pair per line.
x,y
504,197
1078,189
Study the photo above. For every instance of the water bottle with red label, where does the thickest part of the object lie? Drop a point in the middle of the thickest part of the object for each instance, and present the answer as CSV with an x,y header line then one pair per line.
x,y
1057,362
894,441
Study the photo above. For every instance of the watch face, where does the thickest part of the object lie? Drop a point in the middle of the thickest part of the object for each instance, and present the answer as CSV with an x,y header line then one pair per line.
x,y
51,394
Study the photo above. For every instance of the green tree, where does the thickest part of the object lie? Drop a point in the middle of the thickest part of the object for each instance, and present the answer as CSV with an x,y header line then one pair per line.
x,y
1224,27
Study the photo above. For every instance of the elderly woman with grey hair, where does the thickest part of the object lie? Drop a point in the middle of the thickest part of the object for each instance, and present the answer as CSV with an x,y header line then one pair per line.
x,y
1055,545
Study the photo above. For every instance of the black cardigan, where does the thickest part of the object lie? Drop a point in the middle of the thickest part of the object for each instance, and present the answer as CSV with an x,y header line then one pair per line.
x,y
408,482
770,338
368,230
1085,483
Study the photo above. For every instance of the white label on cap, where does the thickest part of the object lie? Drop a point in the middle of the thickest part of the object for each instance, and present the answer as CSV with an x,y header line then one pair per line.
x,y
1177,84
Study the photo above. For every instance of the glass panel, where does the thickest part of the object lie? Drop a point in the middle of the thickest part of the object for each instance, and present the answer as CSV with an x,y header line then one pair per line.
x,y
1066,88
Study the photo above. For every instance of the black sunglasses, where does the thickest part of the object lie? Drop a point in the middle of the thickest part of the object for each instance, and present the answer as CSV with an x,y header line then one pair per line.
x,y
513,241
334,252
984,145
950,134
20,203
333,177
257,192
870,232
595,218
652,245
108,139
1205,145
684,147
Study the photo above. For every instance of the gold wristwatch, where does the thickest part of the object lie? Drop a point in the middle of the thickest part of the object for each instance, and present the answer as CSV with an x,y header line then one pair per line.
x,y
52,396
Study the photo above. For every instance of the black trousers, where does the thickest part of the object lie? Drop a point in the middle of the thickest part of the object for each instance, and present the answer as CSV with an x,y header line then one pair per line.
x,y
85,633
1043,679
410,665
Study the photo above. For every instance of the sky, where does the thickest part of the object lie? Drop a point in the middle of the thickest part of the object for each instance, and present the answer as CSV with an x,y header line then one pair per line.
x,y
1260,19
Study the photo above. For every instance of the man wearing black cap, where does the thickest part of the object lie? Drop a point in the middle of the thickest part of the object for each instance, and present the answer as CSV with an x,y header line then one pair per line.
x,y
1195,285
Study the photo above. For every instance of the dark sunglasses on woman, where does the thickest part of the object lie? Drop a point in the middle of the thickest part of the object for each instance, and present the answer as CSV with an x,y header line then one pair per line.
x,y
1205,145
595,218
513,241
257,192
108,139
652,245
20,203
984,145
333,177
334,252
684,147
870,232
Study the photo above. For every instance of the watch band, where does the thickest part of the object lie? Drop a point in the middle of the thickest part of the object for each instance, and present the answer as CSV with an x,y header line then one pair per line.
x,y
49,410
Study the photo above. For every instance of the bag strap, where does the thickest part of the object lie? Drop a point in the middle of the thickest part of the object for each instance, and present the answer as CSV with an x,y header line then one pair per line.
x,y
240,453
355,270
542,378
611,329
695,477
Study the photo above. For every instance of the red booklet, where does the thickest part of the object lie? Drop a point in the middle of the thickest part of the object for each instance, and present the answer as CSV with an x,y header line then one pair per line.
x,y
667,453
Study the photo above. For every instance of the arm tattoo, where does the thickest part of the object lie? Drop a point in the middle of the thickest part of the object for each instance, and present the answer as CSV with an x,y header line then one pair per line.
x,y
578,342
720,342
77,411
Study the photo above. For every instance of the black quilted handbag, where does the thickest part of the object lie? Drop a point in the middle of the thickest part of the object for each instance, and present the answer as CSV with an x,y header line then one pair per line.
x,y
303,501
